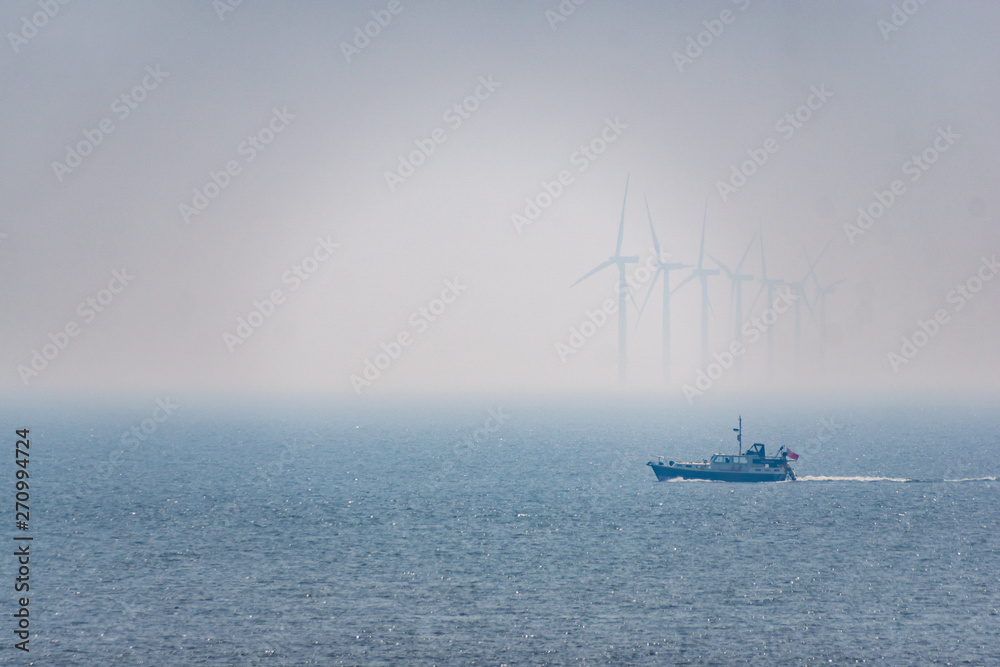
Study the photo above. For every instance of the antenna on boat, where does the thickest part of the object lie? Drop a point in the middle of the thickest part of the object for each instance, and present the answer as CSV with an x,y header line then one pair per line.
x,y
739,436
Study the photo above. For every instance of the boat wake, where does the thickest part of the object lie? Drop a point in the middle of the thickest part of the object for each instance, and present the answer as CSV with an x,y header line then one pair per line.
x,y
832,478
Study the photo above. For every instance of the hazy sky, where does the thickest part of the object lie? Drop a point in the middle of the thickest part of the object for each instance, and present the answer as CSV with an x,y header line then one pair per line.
x,y
180,165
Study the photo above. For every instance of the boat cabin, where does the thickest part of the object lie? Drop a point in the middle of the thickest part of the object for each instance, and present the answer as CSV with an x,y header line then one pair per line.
x,y
730,458
755,456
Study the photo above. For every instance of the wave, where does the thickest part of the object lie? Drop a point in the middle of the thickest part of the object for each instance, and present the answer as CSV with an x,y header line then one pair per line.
x,y
833,478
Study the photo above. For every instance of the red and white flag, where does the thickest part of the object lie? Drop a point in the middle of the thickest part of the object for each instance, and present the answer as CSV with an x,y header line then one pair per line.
x,y
792,455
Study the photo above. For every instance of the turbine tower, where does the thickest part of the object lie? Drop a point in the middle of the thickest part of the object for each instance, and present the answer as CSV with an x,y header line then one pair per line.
x,y
799,287
736,294
662,268
769,285
821,293
621,261
702,275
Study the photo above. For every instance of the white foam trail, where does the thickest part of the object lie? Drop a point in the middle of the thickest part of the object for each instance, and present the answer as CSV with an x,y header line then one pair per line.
x,y
830,478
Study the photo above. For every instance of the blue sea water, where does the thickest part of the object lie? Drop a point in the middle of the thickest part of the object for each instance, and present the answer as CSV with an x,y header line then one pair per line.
x,y
492,532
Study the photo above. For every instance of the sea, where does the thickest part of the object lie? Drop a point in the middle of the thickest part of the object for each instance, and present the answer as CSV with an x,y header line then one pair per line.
x,y
490,531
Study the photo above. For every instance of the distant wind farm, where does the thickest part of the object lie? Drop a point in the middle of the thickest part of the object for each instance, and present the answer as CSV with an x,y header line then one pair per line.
x,y
759,319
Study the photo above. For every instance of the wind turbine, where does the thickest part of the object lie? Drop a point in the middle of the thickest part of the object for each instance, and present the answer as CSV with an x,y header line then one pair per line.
x,y
736,294
702,274
663,268
821,293
769,285
621,261
800,297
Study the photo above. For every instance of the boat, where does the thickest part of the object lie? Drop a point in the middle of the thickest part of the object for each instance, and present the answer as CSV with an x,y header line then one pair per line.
x,y
752,465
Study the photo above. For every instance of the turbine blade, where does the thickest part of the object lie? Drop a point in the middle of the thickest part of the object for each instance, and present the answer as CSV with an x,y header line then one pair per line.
x,y
704,220
812,315
812,265
722,266
754,302
681,284
732,305
823,251
601,266
829,288
649,293
632,298
739,267
621,225
763,264
656,243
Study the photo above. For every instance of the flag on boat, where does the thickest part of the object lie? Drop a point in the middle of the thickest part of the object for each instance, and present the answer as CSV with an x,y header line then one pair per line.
x,y
792,455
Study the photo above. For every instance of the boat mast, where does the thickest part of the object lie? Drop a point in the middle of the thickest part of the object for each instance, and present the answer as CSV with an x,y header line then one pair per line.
x,y
739,437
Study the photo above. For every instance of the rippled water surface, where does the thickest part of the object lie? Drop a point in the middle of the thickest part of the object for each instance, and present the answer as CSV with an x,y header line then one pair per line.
x,y
508,534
